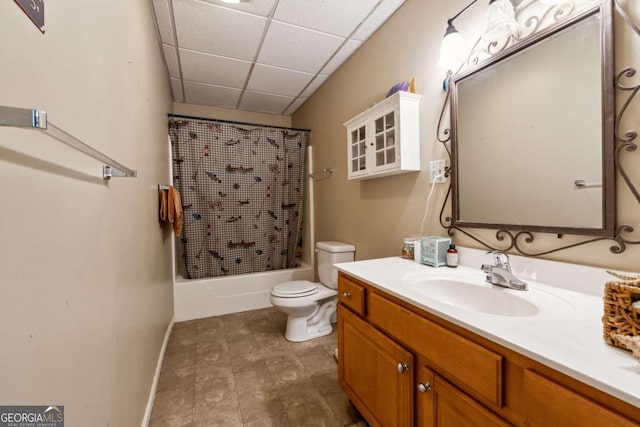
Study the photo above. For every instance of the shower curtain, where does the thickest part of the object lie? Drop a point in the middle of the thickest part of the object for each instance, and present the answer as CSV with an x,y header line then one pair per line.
x,y
242,194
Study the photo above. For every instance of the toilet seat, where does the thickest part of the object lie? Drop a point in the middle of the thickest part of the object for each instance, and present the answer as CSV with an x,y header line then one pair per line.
x,y
295,289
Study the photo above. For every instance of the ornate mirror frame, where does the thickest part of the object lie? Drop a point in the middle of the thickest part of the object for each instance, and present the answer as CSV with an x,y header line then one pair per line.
x,y
537,21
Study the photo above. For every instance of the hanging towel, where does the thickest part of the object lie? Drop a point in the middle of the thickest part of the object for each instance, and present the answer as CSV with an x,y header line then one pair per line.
x,y
164,196
175,210
171,209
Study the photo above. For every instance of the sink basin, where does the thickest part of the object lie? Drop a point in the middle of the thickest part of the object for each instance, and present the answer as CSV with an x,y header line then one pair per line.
x,y
474,296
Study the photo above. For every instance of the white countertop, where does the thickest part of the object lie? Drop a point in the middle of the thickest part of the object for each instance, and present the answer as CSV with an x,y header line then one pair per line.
x,y
566,334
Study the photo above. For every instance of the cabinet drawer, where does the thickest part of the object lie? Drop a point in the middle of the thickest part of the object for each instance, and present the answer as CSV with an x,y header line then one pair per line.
x,y
464,362
351,294
548,403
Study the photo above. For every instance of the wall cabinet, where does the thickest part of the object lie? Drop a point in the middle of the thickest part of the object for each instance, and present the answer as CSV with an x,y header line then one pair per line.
x,y
402,366
385,139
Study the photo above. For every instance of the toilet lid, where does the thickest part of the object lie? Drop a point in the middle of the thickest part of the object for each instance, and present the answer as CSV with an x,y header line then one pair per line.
x,y
297,288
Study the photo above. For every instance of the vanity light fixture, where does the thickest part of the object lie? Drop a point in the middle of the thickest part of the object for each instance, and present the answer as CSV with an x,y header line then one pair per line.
x,y
452,46
500,22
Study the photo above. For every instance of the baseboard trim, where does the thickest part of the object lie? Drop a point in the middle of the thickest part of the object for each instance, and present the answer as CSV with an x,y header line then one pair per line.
x,y
156,377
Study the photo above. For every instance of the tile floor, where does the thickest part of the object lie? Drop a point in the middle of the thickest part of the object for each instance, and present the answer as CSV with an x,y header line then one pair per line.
x,y
239,370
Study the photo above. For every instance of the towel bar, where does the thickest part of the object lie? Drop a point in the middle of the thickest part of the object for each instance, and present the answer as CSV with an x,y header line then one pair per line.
x,y
324,170
37,119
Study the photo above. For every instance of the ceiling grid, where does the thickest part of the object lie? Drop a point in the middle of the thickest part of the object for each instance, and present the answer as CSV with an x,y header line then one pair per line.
x,y
263,55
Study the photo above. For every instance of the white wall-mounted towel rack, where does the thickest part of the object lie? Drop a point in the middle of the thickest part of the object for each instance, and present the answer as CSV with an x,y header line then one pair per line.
x,y
328,171
37,119
583,183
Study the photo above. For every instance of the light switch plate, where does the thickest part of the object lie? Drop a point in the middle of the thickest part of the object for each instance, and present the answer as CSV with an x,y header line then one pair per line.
x,y
437,169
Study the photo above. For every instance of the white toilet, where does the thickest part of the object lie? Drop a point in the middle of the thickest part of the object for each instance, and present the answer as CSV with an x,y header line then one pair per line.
x,y
311,307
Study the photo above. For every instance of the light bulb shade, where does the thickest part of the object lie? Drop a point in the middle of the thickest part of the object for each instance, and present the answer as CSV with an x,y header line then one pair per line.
x,y
451,49
500,21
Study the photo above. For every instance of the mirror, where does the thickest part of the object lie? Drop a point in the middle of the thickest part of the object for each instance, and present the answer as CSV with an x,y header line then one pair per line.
x,y
532,133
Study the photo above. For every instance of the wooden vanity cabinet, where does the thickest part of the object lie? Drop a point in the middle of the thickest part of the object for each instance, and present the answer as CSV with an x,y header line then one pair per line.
x,y
542,408
402,366
441,404
352,295
375,372
380,376
464,362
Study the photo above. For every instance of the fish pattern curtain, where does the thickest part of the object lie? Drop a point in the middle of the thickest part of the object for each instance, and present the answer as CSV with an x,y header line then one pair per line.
x,y
242,194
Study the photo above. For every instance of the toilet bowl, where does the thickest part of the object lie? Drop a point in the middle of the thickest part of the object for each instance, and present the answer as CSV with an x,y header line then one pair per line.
x,y
311,307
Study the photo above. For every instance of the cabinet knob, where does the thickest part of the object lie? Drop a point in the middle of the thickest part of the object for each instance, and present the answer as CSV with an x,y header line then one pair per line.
x,y
346,294
402,367
424,387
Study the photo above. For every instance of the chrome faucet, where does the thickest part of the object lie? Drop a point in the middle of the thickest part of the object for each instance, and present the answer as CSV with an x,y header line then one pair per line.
x,y
500,274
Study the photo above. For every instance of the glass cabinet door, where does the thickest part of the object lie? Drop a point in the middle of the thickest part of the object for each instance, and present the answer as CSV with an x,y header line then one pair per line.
x,y
385,139
358,146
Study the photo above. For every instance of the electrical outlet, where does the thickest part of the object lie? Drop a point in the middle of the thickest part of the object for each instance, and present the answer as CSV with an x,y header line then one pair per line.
x,y
436,169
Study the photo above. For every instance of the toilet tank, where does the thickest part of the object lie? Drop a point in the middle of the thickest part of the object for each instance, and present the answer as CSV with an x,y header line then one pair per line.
x,y
330,253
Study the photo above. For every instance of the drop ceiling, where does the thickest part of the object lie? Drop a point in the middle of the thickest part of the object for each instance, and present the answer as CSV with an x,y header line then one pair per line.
x,y
263,55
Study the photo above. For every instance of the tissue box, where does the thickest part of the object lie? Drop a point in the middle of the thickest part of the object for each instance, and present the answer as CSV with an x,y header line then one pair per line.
x,y
434,250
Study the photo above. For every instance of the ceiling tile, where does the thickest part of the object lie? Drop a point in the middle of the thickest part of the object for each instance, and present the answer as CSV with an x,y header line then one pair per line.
x,y
171,56
294,106
202,94
341,56
257,7
336,17
163,17
265,78
315,84
217,30
210,46
177,90
264,102
377,18
296,48
212,69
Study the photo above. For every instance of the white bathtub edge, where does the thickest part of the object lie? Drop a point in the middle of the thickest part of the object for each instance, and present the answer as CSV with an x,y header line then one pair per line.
x,y
198,299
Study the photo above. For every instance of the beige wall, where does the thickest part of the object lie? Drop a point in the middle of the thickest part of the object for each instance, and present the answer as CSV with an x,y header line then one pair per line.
x,y
231,114
86,268
376,214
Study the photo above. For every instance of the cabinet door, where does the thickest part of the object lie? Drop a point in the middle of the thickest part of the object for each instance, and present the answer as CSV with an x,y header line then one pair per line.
x,y
357,149
548,403
453,408
385,143
425,412
375,372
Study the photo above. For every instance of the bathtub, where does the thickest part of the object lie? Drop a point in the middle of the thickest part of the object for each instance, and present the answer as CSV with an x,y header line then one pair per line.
x,y
199,298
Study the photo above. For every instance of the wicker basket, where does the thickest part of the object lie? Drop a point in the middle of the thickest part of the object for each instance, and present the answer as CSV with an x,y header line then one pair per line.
x,y
619,317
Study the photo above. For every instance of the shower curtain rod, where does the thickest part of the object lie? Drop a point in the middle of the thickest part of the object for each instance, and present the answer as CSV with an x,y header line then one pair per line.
x,y
233,122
